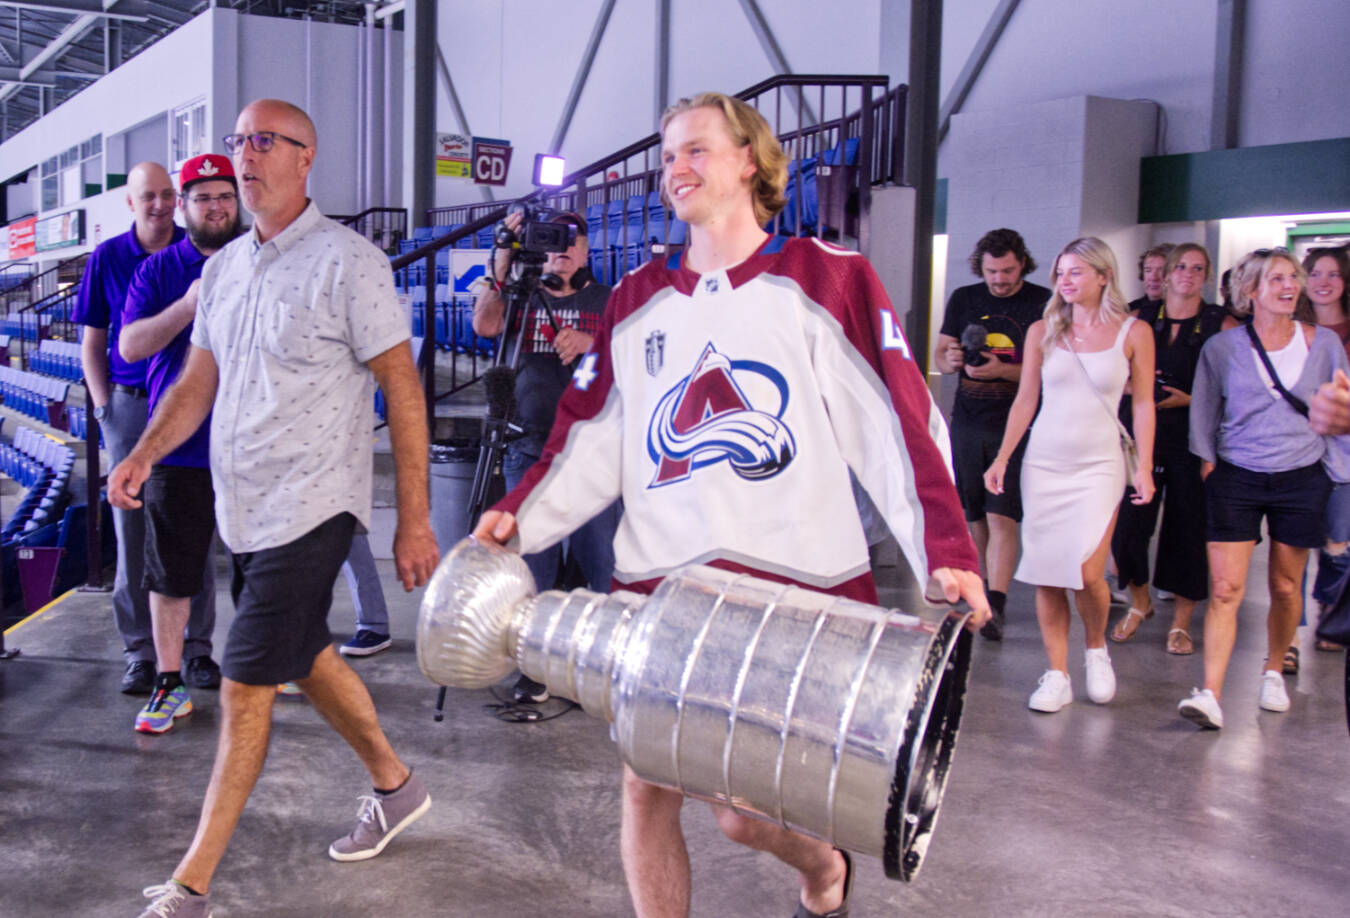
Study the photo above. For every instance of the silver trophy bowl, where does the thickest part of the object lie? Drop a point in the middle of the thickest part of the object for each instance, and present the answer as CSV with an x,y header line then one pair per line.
x,y
828,716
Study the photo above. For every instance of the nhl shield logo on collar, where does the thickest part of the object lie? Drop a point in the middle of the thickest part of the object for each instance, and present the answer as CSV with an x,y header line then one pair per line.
x,y
656,352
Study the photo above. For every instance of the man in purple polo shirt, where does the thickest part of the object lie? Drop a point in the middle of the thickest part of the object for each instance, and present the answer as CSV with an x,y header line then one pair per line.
x,y
180,520
118,395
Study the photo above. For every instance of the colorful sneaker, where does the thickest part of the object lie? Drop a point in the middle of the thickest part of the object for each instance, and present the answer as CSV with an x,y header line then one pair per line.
x,y
380,818
163,708
171,900
364,643
288,688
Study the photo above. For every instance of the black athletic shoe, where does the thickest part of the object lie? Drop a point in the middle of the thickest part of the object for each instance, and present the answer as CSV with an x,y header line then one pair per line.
x,y
527,691
202,672
139,679
993,629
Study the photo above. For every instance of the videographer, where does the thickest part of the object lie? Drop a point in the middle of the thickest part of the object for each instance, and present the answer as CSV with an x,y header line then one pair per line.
x,y
560,316
981,339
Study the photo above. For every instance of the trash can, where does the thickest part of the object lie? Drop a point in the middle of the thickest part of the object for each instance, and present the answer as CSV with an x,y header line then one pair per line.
x,y
452,466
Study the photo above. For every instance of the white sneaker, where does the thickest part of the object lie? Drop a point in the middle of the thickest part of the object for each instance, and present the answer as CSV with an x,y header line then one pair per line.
x,y
1203,709
1273,695
1101,678
1053,691
1165,595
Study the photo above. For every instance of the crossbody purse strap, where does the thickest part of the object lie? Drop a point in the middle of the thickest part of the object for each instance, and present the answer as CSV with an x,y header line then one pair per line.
x,y
1125,434
1298,404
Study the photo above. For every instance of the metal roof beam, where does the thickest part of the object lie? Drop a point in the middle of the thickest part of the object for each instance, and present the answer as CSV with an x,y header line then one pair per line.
x,y
134,10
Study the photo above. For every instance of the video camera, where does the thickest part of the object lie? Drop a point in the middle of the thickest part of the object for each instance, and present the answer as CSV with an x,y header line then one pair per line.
x,y
539,234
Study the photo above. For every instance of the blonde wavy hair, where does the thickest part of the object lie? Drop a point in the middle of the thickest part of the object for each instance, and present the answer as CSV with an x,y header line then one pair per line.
x,y
1251,270
1059,314
747,127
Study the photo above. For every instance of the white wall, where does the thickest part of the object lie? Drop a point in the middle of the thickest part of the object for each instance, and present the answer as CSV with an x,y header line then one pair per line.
x,y
513,63
1053,171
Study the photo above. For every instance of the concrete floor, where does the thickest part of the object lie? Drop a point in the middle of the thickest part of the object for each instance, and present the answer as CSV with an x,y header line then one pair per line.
x,y
1123,810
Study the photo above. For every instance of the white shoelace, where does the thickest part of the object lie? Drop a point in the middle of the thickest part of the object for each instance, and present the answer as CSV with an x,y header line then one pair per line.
x,y
166,896
371,811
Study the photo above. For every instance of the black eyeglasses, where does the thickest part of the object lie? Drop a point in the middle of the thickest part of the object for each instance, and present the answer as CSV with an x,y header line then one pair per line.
x,y
260,141
205,200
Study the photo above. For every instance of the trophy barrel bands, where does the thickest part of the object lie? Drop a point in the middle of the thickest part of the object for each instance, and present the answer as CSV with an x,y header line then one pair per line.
x,y
827,716
467,612
570,641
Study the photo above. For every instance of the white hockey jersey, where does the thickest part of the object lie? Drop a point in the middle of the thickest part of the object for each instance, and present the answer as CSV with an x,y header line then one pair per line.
x,y
727,409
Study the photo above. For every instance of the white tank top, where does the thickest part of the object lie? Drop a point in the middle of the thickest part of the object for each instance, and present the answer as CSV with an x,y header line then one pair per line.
x,y
1288,362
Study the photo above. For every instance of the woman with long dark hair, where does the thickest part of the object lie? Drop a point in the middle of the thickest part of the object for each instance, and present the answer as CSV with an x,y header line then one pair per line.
x,y
1078,358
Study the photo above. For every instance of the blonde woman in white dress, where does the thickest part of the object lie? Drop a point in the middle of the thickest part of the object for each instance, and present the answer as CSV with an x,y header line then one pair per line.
x,y
1078,361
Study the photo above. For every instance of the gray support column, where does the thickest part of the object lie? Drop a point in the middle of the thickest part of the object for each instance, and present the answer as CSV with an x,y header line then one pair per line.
x,y
419,108
774,52
921,143
1226,111
662,81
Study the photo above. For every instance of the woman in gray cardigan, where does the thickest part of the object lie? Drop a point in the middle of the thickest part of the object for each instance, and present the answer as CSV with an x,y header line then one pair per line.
x,y
1260,459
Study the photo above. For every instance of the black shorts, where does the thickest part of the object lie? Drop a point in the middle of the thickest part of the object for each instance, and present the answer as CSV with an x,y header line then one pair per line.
x,y
180,519
281,601
974,447
1294,504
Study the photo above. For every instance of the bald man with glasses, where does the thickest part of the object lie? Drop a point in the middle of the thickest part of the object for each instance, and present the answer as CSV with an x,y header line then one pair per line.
x,y
296,323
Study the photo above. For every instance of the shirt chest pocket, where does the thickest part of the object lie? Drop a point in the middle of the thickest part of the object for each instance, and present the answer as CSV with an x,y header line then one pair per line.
x,y
290,330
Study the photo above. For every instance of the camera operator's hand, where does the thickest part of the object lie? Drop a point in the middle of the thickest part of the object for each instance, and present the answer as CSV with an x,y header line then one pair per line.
x,y
954,356
571,344
501,258
992,368
1175,398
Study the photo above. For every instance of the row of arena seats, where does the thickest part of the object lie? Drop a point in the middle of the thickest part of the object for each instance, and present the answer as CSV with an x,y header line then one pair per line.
x,y
78,418
43,466
454,325
40,397
31,326
57,358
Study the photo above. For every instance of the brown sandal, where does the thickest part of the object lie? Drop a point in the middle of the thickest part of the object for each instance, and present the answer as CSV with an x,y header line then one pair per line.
x,y
1179,642
1128,626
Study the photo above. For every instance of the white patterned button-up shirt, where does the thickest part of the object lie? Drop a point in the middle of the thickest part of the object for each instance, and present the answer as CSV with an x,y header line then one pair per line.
x,y
291,324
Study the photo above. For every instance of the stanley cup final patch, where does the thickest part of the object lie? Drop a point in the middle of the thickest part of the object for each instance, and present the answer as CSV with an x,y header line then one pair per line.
x,y
656,352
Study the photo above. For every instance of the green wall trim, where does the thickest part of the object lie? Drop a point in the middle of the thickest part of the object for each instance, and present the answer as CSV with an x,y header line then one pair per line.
x,y
1284,178
940,208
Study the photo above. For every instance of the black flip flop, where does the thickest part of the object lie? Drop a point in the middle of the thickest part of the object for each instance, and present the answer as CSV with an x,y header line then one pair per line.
x,y
842,911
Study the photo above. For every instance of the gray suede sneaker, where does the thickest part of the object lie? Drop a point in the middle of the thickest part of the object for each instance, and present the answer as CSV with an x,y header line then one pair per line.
x,y
379,819
170,900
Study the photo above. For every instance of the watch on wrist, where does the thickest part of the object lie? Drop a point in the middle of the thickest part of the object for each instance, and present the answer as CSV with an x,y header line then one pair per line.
x,y
100,411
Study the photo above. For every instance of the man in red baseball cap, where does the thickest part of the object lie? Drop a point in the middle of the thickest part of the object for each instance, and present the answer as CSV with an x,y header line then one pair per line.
x,y
179,501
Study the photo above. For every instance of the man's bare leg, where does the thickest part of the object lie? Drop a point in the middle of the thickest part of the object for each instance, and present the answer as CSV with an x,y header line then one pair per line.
x,y
820,869
245,725
1000,556
979,533
168,618
651,841
338,693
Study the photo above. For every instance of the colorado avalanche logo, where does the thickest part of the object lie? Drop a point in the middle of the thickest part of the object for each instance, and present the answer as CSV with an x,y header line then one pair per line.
x,y
707,418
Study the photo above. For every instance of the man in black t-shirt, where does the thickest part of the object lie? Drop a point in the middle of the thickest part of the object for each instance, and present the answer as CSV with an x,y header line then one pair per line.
x,y
559,325
981,339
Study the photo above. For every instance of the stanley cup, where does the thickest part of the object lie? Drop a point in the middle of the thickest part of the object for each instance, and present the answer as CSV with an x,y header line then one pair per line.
x,y
825,715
